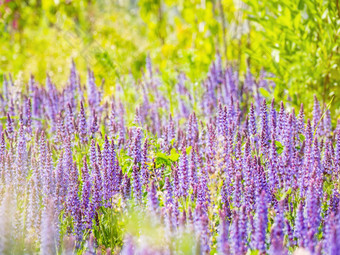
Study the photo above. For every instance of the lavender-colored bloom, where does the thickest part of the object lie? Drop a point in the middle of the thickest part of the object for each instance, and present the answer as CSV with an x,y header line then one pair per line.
x,y
312,217
153,199
183,174
277,234
137,187
176,182
28,121
93,93
225,192
290,234
301,120
136,147
97,188
243,228
309,134
223,244
60,129
264,143
175,214
168,192
69,120
2,145
73,201
288,140
327,160
94,125
237,191
235,236
10,126
106,156
204,234
337,149
299,230
261,220
252,121
331,242
221,124
126,188
82,125
144,166
86,206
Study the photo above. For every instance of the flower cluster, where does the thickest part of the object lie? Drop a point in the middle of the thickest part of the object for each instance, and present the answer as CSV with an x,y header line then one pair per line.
x,y
223,179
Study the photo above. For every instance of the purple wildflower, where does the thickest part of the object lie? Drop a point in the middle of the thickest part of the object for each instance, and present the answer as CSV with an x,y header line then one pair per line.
x,y
82,125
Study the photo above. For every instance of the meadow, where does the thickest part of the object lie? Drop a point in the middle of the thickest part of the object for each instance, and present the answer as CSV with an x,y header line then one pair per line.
x,y
169,127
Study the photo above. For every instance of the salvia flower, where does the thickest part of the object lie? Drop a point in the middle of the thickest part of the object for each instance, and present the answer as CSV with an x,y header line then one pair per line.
x,y
82,125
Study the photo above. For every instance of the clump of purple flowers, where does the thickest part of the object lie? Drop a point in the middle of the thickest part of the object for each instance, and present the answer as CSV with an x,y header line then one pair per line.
x,y
74,167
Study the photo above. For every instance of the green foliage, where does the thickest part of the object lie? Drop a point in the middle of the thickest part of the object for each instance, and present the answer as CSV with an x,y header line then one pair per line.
x,y
300,45
279,147
163,159
109,231
296,41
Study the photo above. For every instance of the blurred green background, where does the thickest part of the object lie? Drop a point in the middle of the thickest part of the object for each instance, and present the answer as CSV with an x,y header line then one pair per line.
x,y
295,40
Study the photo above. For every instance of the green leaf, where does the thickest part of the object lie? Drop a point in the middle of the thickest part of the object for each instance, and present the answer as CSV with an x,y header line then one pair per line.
x,y
162,159
173,155
279,147
302,137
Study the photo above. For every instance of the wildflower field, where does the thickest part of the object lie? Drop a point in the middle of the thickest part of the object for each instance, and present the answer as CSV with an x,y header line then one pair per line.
x,y
185,151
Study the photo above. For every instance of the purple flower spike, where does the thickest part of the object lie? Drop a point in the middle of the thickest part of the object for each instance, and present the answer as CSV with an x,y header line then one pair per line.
x,y
183,174
69,119
301,121
28,122
94,125
261,220
235,235
137,144
10,127
277,234
223,244
82,125
126,188
137,187
237,191
86,205
168,192
153,199
252,121
309,134
97,188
